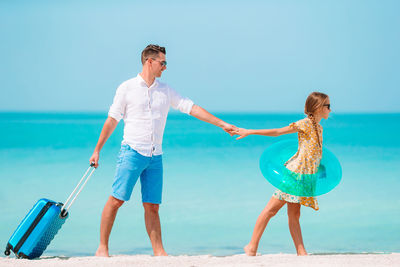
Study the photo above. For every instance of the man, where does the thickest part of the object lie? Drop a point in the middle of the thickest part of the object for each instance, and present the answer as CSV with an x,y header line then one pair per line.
x,y
143,102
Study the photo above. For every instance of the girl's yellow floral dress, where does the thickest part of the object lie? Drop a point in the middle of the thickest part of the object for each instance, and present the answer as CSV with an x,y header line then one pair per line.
x,y
305,161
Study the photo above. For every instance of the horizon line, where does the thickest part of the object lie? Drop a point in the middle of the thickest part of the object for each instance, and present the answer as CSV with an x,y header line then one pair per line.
x,y
175,112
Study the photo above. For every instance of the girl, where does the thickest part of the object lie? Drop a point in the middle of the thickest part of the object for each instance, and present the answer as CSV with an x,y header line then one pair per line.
x,y
305,161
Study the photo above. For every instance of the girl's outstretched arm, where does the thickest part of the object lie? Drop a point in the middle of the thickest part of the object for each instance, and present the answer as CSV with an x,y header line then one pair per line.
x,y
268,132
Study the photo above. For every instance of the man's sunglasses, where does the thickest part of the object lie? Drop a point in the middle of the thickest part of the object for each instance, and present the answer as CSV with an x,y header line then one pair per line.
x,y
328,106
163,63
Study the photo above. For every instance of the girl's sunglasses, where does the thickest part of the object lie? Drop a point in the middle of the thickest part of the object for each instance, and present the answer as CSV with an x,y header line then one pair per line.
x,y
328,106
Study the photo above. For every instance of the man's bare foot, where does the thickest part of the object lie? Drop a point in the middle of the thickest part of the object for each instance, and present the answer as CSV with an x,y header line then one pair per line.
x,y
250,251
301,251
161,253
102,252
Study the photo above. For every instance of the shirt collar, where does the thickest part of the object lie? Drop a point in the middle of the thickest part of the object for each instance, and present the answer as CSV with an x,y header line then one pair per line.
x,y
144,84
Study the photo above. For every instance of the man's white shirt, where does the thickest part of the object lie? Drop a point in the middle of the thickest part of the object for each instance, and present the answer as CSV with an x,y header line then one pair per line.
x,y
144,111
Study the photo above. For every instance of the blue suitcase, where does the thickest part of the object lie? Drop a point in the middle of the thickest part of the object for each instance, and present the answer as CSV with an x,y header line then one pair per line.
x,y
41,224
37,229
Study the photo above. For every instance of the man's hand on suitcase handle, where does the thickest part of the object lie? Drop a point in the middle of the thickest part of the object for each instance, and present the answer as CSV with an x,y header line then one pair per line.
x,y
94,159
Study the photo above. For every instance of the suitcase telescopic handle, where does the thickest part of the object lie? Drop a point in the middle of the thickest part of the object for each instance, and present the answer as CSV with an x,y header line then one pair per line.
x,y
85,178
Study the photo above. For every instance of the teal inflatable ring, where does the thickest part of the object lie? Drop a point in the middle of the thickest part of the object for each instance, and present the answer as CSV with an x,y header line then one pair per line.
x,y
272,165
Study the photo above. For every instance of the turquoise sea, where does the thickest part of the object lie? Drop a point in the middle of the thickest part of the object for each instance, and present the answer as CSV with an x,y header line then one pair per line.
x,y
213,188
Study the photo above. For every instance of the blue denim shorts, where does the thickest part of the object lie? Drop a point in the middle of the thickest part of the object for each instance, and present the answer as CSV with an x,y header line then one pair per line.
x,y
130,166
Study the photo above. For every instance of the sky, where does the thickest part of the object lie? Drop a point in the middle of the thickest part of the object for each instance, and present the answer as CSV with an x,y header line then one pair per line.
x,y
227,56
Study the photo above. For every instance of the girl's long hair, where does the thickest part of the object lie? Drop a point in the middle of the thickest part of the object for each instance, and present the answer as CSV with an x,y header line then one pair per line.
x,y
315,101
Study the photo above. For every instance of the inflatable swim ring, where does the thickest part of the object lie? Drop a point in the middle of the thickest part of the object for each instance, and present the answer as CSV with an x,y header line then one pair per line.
x,y
272,165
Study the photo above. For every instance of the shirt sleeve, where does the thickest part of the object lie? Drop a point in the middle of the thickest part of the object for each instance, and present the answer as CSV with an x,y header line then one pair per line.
x,y
180,103
117,109
300,125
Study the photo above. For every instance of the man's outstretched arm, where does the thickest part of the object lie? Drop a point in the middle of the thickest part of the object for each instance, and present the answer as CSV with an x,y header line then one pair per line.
x,y
108,129
202,114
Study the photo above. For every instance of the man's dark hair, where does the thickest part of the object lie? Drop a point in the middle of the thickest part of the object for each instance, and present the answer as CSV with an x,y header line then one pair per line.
x,y
151,51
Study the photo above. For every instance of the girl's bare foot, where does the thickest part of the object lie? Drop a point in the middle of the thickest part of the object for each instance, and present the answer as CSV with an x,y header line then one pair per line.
x,y
250,251
102,252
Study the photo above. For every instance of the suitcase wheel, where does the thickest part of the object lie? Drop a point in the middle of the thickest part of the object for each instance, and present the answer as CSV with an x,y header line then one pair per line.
x,y
8,248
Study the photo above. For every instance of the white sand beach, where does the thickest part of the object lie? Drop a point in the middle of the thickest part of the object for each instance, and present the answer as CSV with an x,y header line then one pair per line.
x,y
281,260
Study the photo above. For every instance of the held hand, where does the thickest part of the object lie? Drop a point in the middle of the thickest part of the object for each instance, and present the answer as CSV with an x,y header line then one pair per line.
x,y
242,133
94,159
230,129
